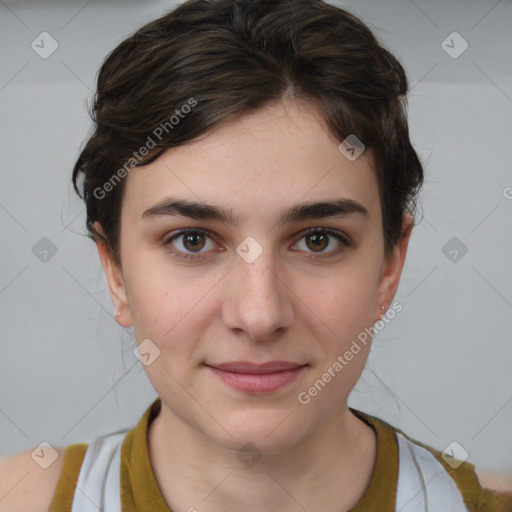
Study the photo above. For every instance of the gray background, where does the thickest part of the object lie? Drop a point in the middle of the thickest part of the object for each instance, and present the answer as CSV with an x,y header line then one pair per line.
x,y
440,370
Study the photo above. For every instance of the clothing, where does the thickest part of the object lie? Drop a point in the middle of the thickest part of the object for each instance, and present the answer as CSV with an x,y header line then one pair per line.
x,y
120,461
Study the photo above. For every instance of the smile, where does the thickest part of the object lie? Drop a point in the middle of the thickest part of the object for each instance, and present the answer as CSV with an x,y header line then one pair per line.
x,y
257,382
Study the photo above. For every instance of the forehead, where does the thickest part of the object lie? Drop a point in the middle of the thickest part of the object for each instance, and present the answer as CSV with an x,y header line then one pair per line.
x,y
256,165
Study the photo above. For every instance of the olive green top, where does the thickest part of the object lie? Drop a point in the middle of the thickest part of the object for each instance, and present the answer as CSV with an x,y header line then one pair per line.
x,y
140,491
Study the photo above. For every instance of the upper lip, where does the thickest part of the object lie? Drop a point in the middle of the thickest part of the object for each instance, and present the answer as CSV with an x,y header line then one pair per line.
x,y
249,367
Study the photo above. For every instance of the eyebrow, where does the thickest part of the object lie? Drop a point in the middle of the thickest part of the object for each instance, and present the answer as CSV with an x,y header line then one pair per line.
x,y
340,208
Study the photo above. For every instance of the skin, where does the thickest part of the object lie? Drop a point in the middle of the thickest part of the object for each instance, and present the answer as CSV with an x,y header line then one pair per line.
x,y
286,305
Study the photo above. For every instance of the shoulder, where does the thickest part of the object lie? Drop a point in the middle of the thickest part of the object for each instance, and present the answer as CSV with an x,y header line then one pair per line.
x,y
477,489
29,479
26,485
481,492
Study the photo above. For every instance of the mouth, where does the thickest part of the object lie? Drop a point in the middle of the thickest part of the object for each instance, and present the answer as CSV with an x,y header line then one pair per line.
x,y
257,378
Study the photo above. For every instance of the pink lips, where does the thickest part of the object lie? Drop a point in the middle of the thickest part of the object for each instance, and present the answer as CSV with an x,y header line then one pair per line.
x,y
257,378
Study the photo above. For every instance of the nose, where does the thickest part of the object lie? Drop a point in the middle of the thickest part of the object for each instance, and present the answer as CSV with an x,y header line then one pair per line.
x,y
257,298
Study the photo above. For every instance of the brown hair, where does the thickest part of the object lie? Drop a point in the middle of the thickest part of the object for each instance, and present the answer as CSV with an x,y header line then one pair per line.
x,y
208,62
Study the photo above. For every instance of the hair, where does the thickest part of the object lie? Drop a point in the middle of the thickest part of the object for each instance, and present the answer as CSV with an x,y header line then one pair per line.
x,y
209,62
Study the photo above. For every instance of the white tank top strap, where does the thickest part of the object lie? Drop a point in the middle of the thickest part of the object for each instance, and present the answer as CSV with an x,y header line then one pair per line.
x,y
99,481
423,483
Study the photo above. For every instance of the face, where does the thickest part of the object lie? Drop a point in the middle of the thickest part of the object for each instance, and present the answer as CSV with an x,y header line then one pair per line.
x,y
254,285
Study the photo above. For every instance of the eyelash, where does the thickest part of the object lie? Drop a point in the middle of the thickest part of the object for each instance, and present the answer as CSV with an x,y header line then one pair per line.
x,y
345,242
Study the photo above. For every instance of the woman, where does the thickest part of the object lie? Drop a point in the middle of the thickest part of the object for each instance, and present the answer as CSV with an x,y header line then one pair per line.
x,y
250,185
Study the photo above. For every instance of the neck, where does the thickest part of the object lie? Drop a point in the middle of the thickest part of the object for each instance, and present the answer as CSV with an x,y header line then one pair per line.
x,y
329,470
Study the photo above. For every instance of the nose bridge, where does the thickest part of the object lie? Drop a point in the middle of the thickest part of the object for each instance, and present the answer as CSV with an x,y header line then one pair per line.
x,y
258,301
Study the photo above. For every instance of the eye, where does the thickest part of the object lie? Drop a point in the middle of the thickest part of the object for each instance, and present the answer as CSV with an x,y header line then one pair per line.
x,y
192,240
188,243
318,239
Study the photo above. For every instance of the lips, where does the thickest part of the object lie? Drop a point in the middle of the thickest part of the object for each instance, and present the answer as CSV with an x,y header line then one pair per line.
x,y
253,378
247,367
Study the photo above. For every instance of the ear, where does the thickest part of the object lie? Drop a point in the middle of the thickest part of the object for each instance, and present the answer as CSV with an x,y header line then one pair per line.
x,y
392,268
114,276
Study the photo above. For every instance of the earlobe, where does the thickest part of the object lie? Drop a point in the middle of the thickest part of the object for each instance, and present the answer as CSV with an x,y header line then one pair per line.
x,y
393,265
115,281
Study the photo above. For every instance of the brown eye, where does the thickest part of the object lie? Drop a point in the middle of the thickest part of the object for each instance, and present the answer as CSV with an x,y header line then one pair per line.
x,y
193,241
188,243
317,240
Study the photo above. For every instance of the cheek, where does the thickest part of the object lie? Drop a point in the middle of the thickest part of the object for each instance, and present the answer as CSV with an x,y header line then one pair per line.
x,y
151,299
164,311
169,308
347,309
150,302
346,301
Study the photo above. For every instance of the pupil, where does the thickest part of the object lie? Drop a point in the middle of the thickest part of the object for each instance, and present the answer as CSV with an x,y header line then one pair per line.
x,y
318,240
193,240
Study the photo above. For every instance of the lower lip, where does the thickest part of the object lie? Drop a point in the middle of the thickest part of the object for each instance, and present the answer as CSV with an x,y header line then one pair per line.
x,y
258,383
